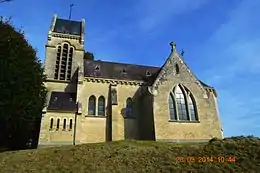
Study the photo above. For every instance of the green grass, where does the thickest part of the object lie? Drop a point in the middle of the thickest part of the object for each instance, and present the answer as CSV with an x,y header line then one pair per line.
x,y
138,156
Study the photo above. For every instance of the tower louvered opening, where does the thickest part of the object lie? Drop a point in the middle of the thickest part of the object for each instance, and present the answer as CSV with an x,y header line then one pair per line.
x,y
63,64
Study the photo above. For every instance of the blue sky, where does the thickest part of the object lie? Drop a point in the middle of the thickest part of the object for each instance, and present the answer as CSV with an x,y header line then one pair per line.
x,y
221,40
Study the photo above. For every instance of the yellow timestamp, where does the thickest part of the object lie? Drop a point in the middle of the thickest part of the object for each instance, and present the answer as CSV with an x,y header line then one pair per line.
x,y
206,159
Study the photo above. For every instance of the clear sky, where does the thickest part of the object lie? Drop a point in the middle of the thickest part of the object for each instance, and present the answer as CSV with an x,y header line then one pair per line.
x,y
221,40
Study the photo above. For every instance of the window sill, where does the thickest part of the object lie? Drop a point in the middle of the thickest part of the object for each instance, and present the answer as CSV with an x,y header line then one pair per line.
x,y
129,117
95,116
185,121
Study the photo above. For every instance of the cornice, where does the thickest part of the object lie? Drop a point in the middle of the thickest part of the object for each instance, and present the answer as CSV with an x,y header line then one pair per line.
x,y
114,81
57,81
73,37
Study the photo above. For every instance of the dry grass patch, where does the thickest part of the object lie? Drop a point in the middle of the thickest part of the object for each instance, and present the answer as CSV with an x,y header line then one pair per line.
x,y
137,156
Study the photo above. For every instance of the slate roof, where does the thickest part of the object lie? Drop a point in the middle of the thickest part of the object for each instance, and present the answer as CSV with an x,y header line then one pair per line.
x,y
120,71
62,101
67,26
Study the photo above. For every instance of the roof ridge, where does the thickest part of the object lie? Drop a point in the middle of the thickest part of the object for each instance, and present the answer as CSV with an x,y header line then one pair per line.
x,y
69,20
121,63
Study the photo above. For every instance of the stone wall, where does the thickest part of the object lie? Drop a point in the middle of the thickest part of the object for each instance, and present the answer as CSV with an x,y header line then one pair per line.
x,y
121,128
208,125
51,55
54,135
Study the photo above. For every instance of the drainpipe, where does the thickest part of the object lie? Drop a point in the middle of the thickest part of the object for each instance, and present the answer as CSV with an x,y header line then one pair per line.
x,y
75,125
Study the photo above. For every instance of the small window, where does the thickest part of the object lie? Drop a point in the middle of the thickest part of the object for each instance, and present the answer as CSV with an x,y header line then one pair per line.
x,y
177,70
70,124
124,71
64,124
128,107
97,68
101,106
92,105
114,96
51,124
58,124
148,73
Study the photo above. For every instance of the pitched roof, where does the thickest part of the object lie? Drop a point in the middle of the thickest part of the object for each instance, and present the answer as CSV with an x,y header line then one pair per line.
x,y
205,85
120,71
67,26
61,101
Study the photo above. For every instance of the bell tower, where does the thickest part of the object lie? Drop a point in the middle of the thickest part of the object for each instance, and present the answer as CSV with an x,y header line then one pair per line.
x,y
64,49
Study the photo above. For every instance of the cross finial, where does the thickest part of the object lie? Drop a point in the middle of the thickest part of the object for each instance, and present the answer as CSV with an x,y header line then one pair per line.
x,y
173,46
182,52
71,5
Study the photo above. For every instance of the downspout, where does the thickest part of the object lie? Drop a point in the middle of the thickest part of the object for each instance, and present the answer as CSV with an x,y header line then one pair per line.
x,y
75,125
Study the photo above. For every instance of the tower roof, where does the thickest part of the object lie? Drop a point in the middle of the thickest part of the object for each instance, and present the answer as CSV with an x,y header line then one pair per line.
x,y
67,26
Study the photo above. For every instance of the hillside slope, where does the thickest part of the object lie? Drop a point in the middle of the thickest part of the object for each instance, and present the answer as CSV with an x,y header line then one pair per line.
x,y
237,154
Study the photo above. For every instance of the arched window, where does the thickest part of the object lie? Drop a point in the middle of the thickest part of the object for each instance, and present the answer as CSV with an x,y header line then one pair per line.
x,y
92,105
181,104
57,65
51,124
63,64
69,64
64,59
192,111
128,107
64,124
101,106
58,124
177,69
70,124
172,107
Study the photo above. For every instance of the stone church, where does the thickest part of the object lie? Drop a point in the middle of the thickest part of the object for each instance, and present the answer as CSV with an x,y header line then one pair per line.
x,y
92,101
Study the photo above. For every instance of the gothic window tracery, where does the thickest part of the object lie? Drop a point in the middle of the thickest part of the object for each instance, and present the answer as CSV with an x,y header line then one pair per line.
x,y
172,107
182,106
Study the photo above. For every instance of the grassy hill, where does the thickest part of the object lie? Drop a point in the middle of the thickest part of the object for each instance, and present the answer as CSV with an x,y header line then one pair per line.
x,y
236,154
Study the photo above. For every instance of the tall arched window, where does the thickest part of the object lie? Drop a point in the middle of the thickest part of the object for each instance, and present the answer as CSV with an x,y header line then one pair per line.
x,y
172,107
64,124
63,64
128,107
51,124
101,106
182,105
70,124
192,110
69,64
64,58
57,65
92,105
58,124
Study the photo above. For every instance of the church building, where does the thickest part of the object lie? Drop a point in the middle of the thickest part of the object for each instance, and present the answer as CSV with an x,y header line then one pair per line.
x,y
91,101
